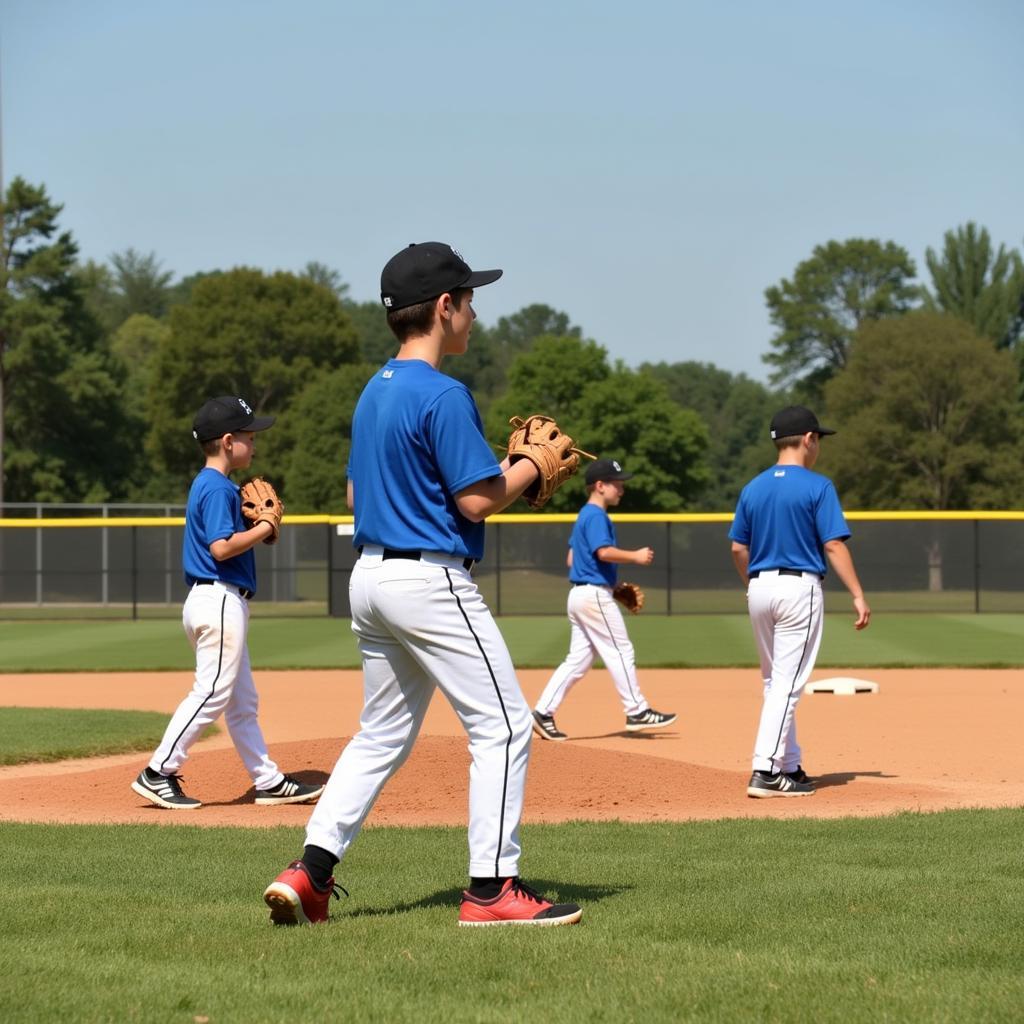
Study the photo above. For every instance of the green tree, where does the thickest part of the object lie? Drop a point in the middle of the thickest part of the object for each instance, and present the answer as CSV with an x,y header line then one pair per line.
x,y
817,313
135,344
320,273
737,411
983,286
61,425
928,418
243,332
376,342
317,430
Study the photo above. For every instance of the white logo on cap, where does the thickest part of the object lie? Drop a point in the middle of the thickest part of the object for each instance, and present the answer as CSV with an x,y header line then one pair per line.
x,y
618,468
456,251
387,301
773,435
241,402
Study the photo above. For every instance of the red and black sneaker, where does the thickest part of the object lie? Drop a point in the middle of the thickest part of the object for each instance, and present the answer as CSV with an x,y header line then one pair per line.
x,y
515,904
294,898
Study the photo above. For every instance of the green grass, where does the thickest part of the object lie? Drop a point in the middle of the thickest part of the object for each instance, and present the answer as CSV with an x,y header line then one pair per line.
x,y
907,918
51,734
687,641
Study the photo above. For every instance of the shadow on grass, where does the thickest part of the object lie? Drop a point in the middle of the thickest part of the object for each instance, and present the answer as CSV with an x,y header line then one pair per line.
x,y
450,898
844,778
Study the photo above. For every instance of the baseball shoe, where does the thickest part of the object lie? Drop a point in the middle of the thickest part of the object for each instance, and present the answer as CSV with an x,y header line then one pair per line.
x,y
289,791
649,719
515,904
293,897
764,784
164,791
799,775
544,726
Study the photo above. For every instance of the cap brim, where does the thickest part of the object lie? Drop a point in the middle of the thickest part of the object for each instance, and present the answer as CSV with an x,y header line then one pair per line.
x,y
261,423
824,430
478,278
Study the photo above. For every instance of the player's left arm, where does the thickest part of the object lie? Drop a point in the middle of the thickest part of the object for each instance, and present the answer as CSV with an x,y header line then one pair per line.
x,y
842,562
494,494
240,542
741,559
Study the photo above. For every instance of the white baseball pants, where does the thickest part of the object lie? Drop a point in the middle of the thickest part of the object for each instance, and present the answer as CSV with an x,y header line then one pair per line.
x,y
597,629
216,621
786,614
420,625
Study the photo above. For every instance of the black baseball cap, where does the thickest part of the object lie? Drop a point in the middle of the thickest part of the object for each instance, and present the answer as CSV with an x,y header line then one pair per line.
x,y
794,421
605,470
425,270
225,415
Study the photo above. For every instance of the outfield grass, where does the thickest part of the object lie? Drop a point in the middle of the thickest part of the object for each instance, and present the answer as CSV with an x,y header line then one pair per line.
x,y
51,734
906,918
686,641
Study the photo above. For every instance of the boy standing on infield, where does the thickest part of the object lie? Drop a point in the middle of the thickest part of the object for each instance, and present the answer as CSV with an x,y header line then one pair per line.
x,y
421,481
597,625
787,520
220,568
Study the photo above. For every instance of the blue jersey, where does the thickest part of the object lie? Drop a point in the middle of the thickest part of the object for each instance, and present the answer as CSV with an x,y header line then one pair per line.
x,y
785,516
417,440
593,530
214,512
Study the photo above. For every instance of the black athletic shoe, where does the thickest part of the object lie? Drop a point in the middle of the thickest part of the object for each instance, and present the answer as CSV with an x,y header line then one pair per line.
x,y
764,784
649,719
289,791
164,791
799,775
544,726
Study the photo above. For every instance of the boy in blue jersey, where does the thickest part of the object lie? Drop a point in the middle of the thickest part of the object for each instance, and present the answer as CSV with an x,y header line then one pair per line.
x,y
421,480
220,569
787,520
597,624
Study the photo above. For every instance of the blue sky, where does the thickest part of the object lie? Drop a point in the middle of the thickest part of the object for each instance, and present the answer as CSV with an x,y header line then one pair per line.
x,y
650,168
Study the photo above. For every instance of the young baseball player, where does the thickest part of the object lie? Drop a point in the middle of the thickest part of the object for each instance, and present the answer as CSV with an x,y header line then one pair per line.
x,y
597,624
421,480
787,520
220,569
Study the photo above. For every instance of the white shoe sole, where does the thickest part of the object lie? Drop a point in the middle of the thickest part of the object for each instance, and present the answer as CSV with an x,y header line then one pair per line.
x,y
650,725
285,905
269,801
762,794
153,798
549,921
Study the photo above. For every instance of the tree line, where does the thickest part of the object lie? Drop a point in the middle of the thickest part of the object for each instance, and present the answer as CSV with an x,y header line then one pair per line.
x,y
103,365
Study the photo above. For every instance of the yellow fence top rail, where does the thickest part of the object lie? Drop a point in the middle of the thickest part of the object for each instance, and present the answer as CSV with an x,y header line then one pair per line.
x,y
57,522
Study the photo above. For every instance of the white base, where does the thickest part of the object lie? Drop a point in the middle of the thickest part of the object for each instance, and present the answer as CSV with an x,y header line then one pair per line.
x,y
842,686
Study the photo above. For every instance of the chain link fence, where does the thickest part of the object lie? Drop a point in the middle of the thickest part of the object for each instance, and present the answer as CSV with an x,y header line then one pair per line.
x,y
82,561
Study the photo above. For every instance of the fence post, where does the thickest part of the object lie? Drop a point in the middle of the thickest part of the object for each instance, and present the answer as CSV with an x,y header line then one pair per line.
x,y
668,568
977,566
135,573
497,569
330,570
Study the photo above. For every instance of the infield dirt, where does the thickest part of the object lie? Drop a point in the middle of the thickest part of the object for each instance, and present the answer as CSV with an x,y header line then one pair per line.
x,y
929,740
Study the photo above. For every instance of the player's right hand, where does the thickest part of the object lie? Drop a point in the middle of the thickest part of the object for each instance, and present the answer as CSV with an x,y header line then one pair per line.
x,y
860,606
644,556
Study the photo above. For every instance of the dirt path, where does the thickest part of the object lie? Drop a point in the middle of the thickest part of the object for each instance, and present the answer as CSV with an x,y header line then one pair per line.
x,y
929,740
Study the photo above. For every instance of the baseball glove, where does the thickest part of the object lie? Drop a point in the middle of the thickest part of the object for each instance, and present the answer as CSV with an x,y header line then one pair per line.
x,y
539,439
260,504
630,596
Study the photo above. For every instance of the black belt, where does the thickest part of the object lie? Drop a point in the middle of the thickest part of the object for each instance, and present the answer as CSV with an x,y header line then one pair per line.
x,y
241,590
415,556
781,572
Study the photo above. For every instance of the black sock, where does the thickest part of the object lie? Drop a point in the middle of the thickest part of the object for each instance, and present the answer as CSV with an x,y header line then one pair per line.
x,y
320,865
485,888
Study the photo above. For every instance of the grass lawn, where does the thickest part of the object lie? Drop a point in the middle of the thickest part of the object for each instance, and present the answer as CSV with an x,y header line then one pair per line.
x,y
990,640
905,918
51,734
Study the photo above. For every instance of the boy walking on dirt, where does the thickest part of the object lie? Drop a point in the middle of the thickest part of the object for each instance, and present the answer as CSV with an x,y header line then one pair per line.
x,y
787,520
220,569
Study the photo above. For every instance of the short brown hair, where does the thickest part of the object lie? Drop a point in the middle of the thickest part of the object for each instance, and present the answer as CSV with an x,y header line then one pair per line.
x,y
210,447
413,321
793,441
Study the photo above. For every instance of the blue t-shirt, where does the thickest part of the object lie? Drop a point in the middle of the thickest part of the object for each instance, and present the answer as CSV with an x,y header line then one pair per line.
x,y
593,530
417,440
786,515
214,512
